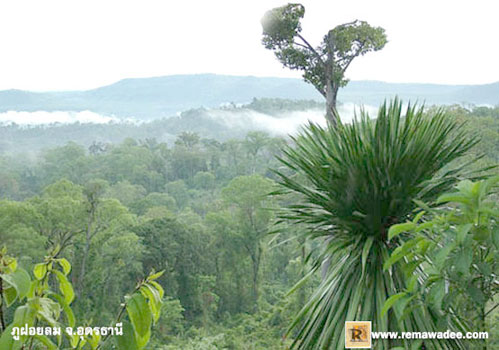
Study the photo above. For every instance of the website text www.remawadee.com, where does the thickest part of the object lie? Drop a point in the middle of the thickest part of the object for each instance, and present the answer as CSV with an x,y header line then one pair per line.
x,y
358,335
430,335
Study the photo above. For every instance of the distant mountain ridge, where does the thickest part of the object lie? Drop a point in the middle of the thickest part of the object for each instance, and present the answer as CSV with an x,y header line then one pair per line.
x,y
152,98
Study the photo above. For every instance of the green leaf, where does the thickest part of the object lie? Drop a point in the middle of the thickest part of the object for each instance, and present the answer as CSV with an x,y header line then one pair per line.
x,y
46,341
19,280
495,237
480,233
418,217
49,310
467,187
397,254
401,305
74,340
12,265
24,315
416,345
491,182
65,287
6,340
488,210
33,287
424,245
409,269
485,268
66,266
462,231
94,340
158,288
401,252
413,283
453,197
66,308
422,205
476,294
155,276
140,317
395,230
390,301
365,252
127,341
10,295
154,300
442,255
40,270
463,260
424,226
437,293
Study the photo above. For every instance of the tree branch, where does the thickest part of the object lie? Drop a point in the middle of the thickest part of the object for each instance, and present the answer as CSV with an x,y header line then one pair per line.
x,y
351,57
301,45
492,309
118,318
310,47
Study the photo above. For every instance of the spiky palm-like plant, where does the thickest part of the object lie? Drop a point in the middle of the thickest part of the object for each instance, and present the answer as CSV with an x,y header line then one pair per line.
x,y
360,179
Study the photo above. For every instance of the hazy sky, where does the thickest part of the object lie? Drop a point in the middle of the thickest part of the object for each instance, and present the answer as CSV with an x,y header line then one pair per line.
x,y
69,44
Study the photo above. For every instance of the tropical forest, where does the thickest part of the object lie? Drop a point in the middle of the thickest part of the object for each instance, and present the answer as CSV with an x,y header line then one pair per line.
x,y
265,223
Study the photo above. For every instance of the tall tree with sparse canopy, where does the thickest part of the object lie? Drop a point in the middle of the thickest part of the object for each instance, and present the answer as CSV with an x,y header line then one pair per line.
x,y
323,66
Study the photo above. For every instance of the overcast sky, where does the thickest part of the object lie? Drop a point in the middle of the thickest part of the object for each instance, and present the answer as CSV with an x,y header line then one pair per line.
x,y
69,44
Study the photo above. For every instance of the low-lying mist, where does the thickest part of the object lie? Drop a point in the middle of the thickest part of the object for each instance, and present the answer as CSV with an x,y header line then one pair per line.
x,y
283,123
35,131
241,119
57,117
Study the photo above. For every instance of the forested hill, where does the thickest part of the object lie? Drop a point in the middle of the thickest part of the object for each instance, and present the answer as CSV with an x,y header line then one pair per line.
x,y
151,98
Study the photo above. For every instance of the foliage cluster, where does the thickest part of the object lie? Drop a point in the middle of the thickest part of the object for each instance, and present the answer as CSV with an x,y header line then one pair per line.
x,y
354,182
456,247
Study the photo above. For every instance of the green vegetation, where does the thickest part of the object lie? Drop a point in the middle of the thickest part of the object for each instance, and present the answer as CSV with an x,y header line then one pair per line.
x,y
195,208
41,306
359,180
456,245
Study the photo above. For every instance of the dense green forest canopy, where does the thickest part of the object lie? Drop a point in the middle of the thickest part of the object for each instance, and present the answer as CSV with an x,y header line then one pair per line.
x,y
194,205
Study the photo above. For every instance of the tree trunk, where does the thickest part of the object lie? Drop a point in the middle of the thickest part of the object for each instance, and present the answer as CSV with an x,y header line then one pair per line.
x,y
331,95
86,251
256,258
332,85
